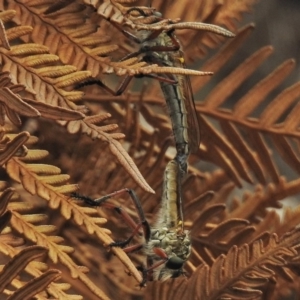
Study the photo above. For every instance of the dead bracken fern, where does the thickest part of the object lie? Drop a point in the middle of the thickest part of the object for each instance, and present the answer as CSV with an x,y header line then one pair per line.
x,y
39,71
238,275
10,281
55,247
47,182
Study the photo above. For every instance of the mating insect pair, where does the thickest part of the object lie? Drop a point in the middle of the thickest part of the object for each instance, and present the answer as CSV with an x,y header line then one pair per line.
x,y
166,244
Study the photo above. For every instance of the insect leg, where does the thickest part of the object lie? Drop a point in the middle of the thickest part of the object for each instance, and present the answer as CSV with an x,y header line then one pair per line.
x,y
161,78
173,39
133,248
148,48
124,243
102,201
122,87
126,33
147,272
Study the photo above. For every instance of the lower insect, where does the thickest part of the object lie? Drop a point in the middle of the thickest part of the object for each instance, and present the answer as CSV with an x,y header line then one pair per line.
x,y
166,244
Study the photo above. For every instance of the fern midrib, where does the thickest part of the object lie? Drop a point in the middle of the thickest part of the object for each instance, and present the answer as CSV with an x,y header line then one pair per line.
x,y
248,122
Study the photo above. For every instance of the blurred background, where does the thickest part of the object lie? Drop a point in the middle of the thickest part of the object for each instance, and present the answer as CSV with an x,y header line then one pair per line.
x,y
277,23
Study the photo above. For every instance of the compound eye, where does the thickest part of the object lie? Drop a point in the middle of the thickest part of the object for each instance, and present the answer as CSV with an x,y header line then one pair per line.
x,y
175,263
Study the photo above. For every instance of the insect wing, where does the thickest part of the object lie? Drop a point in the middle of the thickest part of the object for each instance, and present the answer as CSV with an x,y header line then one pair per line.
x,y
193,121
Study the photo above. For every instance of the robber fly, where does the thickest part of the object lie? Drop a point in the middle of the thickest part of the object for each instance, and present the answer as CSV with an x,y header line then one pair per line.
x,y
162,47
166,244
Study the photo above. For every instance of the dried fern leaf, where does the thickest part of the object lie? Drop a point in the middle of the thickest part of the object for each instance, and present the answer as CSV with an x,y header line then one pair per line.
x,y
60,35
242,134
225,14
56,251
7,15
95,119
186,25
17,32
26,175
3,37
250,101
115,148
58,106
236,77
55,112
34,154
14,147
209,243
5,218
14,105
5,215
62,6
273,222
84,56
35,286
169,70
241,274
255,204
35,269
18,263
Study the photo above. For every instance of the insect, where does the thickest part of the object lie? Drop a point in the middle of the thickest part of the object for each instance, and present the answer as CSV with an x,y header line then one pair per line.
x,y
161,47
166,244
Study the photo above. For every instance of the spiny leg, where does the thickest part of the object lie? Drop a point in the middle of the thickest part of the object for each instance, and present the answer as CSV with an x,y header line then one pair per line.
x,y
147,272
102,201
144,49
120,90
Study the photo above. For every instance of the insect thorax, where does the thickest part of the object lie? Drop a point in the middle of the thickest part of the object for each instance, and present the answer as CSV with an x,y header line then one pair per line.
x,y
171,58
174,243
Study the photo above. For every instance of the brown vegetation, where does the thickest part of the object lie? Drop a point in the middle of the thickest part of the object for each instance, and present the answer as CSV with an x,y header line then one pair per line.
x,y
55,138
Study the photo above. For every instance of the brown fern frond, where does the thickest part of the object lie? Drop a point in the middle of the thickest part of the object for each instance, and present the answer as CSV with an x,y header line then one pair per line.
x,y
51,189
244,141
273,222
36,270
255,149
53,112
35,285
114,146
12,147
143,68
29,58
49,85
3,36
245,132
253,205
37,234
18,263
241,274
212,234
57,253
65,34
185,25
